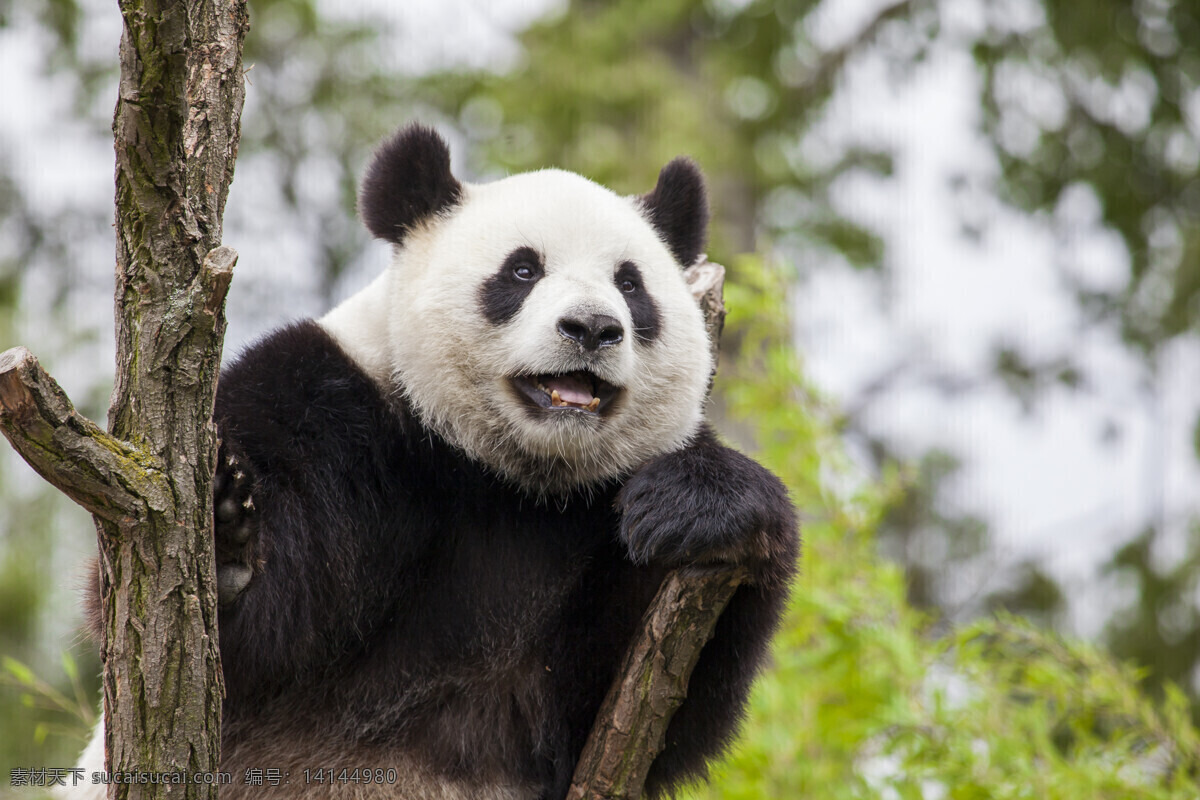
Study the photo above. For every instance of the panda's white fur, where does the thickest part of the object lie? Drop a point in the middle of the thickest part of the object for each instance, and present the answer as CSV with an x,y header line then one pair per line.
x,y
418,326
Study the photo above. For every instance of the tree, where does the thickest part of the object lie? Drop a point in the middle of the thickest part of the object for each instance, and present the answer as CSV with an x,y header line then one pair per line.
x,y
147,481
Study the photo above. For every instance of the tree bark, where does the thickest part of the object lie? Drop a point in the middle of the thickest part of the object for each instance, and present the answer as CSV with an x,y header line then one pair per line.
x,y
148,480
651,683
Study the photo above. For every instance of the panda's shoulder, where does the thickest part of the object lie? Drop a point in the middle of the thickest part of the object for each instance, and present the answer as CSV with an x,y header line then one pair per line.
x,y
299,382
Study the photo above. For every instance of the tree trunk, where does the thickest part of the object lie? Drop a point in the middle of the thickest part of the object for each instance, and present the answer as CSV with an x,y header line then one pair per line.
x,y
148,480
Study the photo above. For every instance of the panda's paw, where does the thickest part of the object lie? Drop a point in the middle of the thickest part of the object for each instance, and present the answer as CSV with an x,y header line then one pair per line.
x,y
708,505
235,520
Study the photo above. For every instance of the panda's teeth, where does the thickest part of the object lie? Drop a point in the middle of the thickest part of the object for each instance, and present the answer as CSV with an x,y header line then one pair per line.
x,y
592,406
555,400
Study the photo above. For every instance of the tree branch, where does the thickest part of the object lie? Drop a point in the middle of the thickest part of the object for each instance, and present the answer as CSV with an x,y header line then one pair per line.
x,y
109,477
651,683
106,476
631,725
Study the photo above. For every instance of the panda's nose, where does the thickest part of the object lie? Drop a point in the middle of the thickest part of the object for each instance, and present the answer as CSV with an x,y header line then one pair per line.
x,y
592,331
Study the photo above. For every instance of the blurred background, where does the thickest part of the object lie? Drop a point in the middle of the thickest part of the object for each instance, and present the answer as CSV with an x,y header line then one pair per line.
x,y
965,304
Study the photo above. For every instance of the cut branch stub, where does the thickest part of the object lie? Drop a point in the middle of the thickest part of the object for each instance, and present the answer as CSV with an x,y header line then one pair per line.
x,y
706,279
215,277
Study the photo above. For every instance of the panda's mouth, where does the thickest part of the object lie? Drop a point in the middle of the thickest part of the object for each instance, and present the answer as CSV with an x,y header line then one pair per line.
x,y
580,392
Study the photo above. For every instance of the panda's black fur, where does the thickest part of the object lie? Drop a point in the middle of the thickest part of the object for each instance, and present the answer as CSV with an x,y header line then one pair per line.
x,y
408,182
406,606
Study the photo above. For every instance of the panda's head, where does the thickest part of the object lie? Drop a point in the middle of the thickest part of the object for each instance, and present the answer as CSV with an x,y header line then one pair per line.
x,y
541,322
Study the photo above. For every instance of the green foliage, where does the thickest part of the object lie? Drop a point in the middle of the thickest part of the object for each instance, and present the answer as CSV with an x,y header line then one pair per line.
x,y
1160,628
40,691
74,711
922,536
863,699
1121,76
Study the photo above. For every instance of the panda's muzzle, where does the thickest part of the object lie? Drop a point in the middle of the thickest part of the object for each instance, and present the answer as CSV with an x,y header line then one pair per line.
x,y
580,392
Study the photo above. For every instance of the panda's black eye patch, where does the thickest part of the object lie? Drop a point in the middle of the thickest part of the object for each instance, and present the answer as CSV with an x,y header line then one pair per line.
x,y
501,296
642,308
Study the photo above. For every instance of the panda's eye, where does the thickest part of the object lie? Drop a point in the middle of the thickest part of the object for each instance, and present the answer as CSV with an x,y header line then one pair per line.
x,y
523,265
628,286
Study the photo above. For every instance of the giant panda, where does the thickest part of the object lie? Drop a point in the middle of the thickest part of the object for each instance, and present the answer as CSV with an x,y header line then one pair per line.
x,y
442,509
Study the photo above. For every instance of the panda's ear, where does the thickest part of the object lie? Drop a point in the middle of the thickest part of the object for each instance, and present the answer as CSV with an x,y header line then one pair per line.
x,y
678,208
408,181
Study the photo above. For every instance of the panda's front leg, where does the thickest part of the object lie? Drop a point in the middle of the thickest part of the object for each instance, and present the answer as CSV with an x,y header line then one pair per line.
x,y
235,520
708,503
